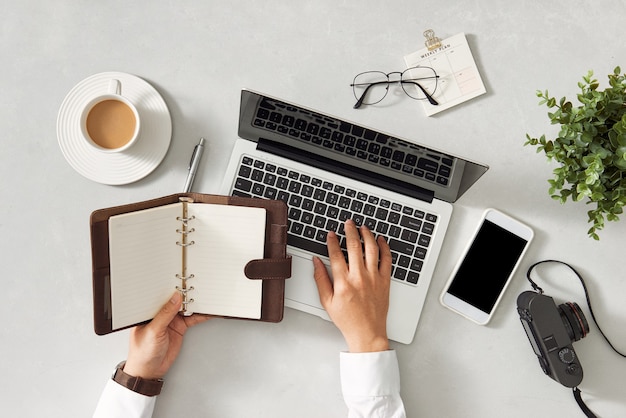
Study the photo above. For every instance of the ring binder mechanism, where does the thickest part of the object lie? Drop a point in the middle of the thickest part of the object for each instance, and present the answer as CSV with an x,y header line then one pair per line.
x,y
184,244
184,232
185,220
191,276
234,267
186,299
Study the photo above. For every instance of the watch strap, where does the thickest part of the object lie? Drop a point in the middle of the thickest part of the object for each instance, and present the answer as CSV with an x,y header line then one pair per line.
x,y
137,384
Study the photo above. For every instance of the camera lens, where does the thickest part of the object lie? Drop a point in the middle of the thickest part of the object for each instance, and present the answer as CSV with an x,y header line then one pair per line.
x,y
574,320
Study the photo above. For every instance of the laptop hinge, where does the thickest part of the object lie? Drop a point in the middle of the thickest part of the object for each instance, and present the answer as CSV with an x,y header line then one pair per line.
x,y
343,169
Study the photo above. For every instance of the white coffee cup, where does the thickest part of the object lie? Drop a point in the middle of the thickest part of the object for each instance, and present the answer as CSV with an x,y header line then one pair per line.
x,y
110,122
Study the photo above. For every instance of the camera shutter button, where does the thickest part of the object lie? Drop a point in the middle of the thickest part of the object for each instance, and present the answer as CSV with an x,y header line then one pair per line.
x,y
573,369
567,355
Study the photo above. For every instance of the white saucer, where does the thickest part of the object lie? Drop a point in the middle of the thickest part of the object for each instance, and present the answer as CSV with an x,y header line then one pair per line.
x,y
123,167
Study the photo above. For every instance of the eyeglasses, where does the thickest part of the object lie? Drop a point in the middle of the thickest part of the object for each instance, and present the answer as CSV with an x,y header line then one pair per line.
x,y
371,87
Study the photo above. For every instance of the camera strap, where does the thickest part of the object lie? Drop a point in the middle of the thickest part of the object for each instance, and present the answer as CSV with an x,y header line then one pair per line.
x,y
582,405
536,288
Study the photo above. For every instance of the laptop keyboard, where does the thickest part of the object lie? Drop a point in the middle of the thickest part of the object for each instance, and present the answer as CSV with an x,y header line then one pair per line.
x,y
355,142
317,205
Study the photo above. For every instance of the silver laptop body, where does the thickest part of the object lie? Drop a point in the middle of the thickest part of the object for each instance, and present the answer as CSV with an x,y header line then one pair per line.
x,y
327,170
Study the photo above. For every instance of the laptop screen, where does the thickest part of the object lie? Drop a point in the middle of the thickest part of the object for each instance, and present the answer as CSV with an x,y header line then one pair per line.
x,y
354,151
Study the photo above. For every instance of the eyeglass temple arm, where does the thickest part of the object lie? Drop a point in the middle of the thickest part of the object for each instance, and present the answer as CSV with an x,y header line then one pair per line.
x,y
369,86
430,98
360,101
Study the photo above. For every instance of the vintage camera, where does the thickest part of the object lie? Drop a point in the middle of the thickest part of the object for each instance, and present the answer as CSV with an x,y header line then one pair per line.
x,y
551,330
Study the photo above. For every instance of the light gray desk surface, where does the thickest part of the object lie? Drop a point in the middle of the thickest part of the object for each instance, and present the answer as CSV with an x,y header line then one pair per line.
x,y
199,55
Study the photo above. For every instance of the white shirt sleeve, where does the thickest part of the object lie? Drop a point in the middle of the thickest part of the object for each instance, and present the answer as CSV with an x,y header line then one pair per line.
x,y
371,384
117,401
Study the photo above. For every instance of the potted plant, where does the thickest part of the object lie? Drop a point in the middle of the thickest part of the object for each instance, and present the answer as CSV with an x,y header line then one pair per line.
x,y
590,148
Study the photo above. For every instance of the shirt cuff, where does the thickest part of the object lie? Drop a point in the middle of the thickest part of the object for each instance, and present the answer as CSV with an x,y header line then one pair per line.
x,y
370,374
118,401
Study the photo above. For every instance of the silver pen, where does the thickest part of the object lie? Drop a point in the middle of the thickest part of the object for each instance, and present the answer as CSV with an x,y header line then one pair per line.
x,y
193,165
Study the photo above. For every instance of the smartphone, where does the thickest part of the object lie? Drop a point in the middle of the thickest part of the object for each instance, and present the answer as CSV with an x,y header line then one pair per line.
x,y
486,267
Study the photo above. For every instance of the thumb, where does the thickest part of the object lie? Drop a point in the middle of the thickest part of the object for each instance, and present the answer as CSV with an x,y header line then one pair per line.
x,y
168,312
322,280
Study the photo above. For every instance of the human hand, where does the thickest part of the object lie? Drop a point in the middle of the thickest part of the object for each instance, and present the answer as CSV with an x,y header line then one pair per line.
x,y
155,345
357,300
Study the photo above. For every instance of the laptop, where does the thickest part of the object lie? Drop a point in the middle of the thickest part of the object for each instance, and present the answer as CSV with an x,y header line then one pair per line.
x,y
328,170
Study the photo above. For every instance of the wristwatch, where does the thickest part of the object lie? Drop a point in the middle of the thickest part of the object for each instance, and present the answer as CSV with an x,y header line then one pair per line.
x,y
137,384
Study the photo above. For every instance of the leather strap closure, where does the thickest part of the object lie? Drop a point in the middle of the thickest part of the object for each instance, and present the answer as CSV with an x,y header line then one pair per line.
x,y
137,384
268,269
278,234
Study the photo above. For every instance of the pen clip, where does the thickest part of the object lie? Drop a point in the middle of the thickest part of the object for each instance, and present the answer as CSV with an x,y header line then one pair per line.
x,y
193,156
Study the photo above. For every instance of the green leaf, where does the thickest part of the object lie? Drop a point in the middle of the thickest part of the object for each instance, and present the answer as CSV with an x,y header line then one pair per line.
x,y
597,196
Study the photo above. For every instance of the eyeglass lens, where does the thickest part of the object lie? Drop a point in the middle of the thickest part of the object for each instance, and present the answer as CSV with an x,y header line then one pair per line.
x,y
373,86
416,77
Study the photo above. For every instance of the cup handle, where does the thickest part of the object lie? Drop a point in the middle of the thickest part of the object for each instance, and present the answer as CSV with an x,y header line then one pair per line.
x,y
115,87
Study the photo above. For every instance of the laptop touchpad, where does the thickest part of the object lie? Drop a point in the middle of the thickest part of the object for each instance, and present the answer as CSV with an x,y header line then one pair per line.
x,y
301,287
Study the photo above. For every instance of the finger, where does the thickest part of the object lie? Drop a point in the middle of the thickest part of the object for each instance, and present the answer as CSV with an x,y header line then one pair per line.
x,y
168,312
195,319
353,245
371,249
322,280
337,261
385,262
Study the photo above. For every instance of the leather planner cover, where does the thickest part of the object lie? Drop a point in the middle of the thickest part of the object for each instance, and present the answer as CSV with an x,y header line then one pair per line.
x,y
273,269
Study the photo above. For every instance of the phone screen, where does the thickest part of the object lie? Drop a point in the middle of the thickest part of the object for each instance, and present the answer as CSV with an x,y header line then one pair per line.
x,y
488,264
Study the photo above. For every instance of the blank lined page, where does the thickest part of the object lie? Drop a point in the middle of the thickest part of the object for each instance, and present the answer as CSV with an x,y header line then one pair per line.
x,y
225,239
144,262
